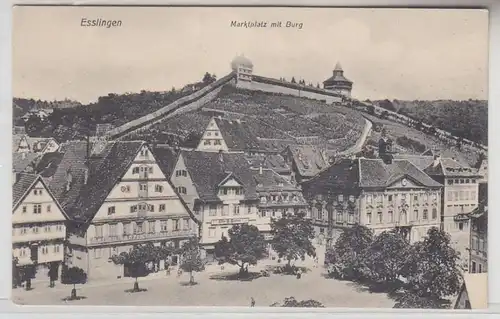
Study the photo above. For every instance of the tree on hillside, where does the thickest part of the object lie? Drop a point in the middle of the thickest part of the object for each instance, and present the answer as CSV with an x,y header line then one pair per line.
x,y
191,260
293,80
292,302
207,78
386,256
245,247
431,269
370,109
135,262
73,276
292,237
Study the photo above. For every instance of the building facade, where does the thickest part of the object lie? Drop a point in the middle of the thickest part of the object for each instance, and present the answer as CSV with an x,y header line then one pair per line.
x,y
117,197
243,68
479,239
38,225
378,194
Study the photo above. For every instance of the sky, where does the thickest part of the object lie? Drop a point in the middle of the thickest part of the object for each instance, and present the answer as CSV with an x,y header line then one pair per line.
x,y
401,54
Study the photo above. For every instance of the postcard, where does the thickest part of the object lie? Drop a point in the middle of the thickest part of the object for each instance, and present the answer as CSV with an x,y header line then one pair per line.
x,y
250,157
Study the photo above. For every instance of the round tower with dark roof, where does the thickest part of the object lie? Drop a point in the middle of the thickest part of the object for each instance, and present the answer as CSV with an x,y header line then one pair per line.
x,y
338,82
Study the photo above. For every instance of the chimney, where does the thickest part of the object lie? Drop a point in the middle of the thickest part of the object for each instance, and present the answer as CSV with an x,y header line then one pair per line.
x,y
436,161
69,179
85,176
221,157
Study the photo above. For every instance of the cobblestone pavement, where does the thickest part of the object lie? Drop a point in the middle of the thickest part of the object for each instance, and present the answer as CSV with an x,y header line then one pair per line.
x,y
214,288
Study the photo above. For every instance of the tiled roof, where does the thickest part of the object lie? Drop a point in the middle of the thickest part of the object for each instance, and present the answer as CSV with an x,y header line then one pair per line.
x,y
166,158
450,167
420,161
376,173
237,135
207,171
360,173
21,161
268,181
340,176
22,185
48,163
16,139
274,145
308,159
104,174
275,162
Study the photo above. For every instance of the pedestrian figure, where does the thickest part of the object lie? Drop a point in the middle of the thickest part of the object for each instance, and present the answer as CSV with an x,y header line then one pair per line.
x,y
252,302
179,272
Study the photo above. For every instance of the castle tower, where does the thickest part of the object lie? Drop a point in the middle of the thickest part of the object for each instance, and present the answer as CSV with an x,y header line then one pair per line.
x,y
243,68
338,82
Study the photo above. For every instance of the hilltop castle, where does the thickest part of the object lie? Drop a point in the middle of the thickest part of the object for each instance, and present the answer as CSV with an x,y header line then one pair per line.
x,y
243,68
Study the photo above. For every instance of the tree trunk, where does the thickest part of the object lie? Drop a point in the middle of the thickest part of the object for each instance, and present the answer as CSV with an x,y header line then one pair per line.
x,y
136,285
28,284
73,292
191,278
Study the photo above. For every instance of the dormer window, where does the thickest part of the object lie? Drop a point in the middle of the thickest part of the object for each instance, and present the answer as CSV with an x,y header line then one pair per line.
x,y
263,199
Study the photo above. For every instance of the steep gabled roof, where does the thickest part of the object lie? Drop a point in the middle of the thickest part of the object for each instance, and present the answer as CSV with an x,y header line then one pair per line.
x,y
21,161
22,185
104,175
450,168
270,181
237,134
207,171
166,157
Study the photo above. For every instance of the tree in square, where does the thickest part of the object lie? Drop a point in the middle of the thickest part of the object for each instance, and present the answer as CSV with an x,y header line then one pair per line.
x,y
73,276
292,238
191,259
245,246
135,262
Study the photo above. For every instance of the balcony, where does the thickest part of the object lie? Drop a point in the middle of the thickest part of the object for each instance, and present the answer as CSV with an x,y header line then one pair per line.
x,y
229,221
130,238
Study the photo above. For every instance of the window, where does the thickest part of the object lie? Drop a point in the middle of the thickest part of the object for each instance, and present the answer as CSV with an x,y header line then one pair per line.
x,y
415,197
35,191
390,215
350,218
369,199
143,187
111,210
389,198
151,208
113,230
151,227
379,217
47,229
158,188
163,226
466,181
161,208
462,181
480,268
176,224
216,133
461,226
181,190
126,229
434,213
425,214
473,267
25,209
211,232
450,182
99,231
212,210
35,229
186,224
368,218
37,209
473,181
340,217
49,208
139,228
135,170
263,213
22,252
45,250
236,210
415,214
224,191
206,142
456,181
56,249
24,230
209,134
217,142
263,199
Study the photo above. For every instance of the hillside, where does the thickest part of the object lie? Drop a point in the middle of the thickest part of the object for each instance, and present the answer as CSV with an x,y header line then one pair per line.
x,y
468,119
268,116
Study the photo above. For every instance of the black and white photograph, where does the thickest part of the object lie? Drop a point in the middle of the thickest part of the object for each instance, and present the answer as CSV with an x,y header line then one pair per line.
x,y
250,157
